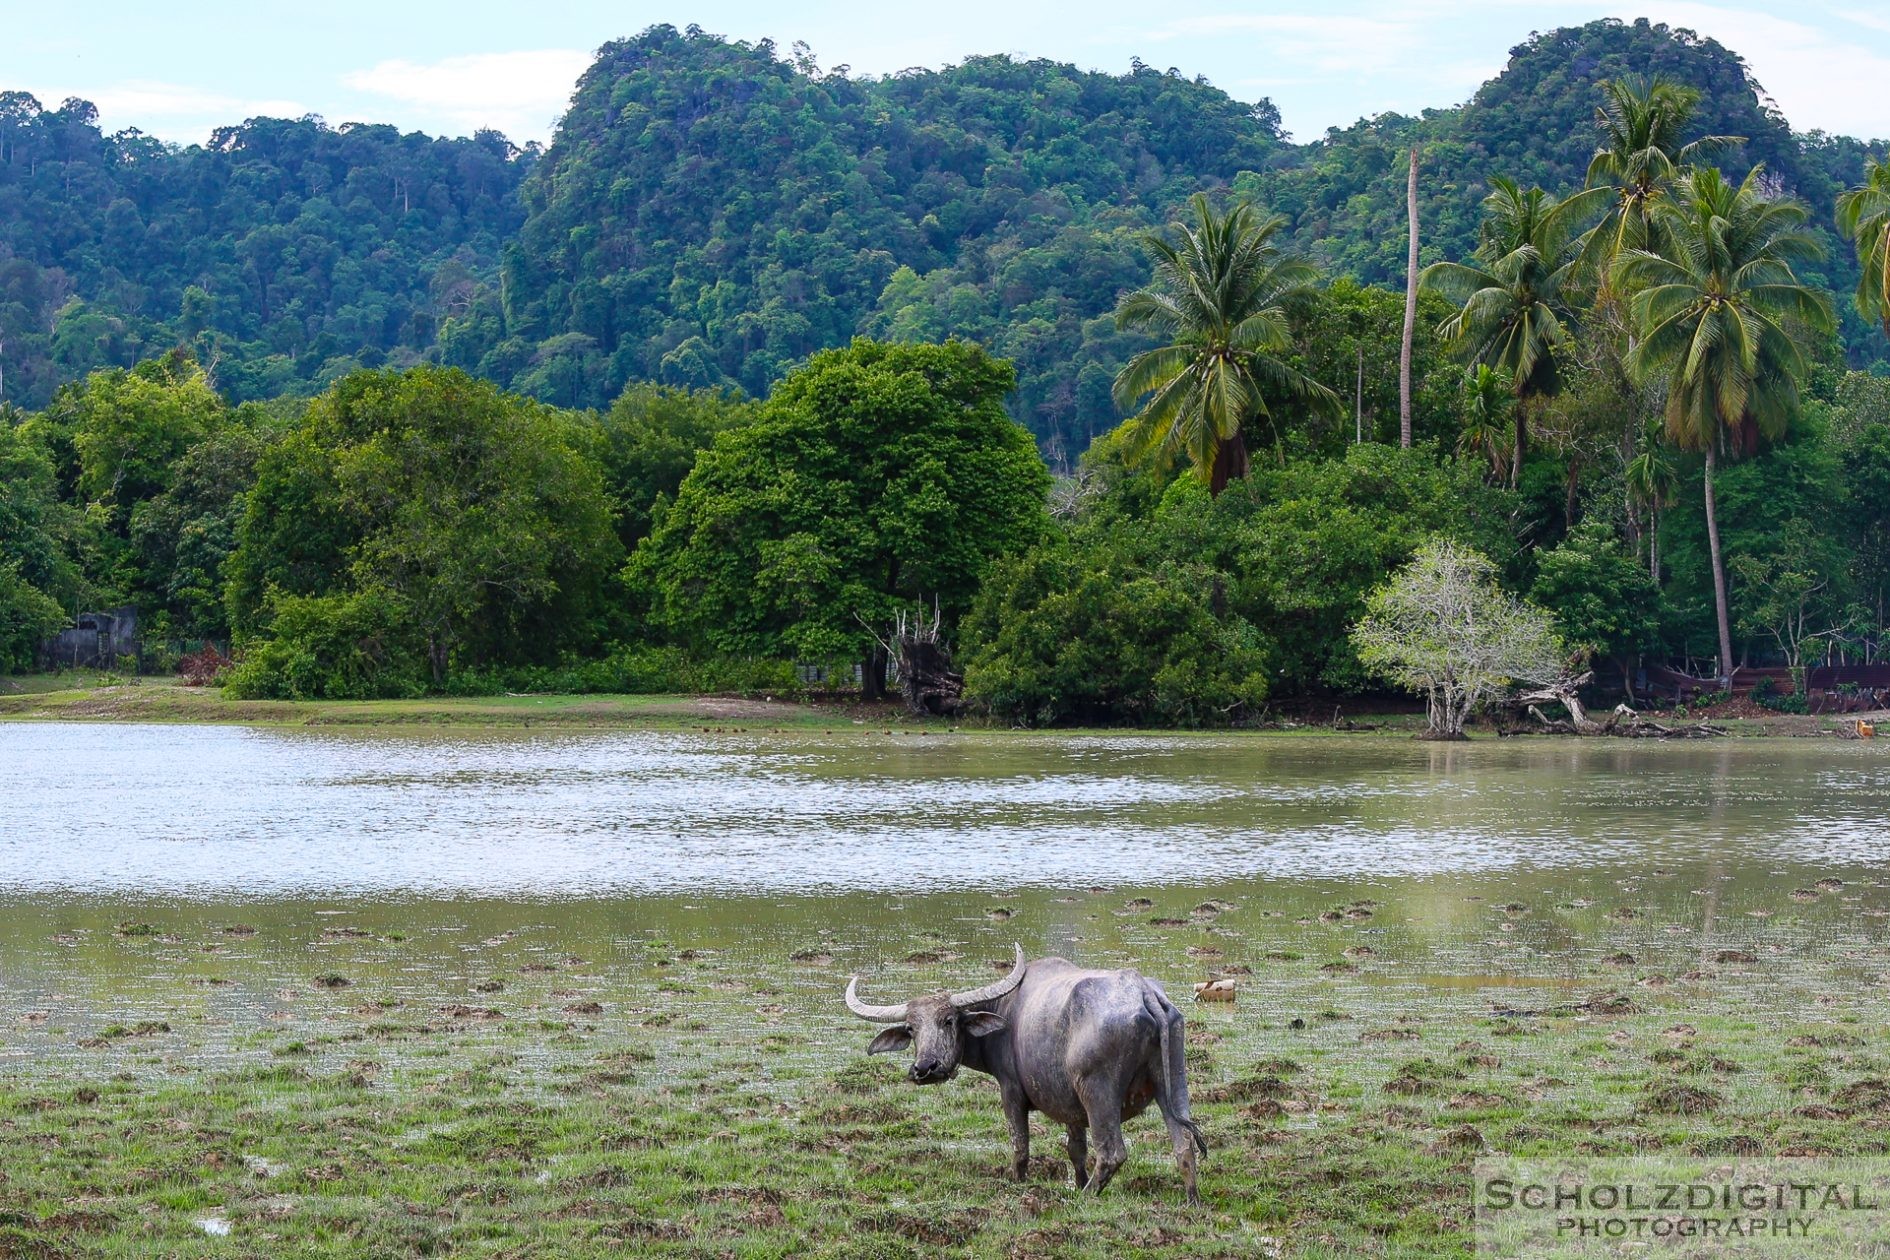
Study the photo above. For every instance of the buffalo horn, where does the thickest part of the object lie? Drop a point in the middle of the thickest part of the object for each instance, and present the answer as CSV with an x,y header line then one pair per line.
x,y
877,1014
991,992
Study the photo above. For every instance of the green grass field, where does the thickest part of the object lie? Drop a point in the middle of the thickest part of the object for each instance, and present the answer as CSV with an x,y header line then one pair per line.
x,y
689,1103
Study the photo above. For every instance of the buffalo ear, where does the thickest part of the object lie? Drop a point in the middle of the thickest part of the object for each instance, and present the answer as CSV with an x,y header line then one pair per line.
x,y
984,1023
896,1038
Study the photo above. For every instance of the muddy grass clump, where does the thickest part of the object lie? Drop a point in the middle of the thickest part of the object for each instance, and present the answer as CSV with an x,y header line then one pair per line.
x,y
1422,1076
930,1228
331,980
1620,959
1870,1094
1611,1003
1735,956
1246,1089
1463,1137
811,957
1677,1098
1824,1041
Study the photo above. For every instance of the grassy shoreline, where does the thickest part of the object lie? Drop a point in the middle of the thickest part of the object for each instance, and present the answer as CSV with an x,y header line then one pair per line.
x,y
86,698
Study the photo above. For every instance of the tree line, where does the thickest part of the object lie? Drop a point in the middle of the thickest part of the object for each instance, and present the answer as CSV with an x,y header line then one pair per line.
x,y
712,212
421,529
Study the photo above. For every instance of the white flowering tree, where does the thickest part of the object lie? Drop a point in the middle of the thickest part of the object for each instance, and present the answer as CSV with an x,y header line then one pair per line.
x,y
1442,627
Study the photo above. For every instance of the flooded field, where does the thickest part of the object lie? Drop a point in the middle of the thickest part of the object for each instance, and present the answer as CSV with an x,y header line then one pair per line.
x,y
624,950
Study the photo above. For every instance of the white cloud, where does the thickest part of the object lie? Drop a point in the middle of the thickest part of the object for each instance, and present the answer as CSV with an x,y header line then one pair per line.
x,y
519,93
1347,45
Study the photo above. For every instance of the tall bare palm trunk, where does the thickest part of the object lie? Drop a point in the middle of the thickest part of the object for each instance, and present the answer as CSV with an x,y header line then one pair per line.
x,y
1410,304
1719,574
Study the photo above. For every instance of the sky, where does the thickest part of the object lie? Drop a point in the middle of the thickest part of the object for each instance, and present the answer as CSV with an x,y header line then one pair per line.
x,y
454,66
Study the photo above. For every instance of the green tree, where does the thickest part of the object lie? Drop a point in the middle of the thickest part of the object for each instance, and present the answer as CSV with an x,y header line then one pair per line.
x,y
877,477
1085,633
652,436
1651,478
1863,215
182,538
129,428
479,518
1642,122
1712,313
27,616
1517,300
38,532
1604,602
1217,305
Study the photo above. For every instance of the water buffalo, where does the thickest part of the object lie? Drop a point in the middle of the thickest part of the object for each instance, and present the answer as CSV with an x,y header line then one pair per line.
x,y
1089,1049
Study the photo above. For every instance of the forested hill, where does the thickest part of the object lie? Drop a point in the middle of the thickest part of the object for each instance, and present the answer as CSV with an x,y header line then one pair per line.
x,y
710,212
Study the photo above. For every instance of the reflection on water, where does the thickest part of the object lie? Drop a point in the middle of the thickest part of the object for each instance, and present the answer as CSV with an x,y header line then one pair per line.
x,y
219,812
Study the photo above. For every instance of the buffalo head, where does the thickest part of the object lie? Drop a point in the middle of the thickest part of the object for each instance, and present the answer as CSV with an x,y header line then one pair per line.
x,y
936,1024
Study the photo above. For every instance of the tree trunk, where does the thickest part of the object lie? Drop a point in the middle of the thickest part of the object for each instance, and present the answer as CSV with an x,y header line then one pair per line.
x,y
1522,444
873,674
1719,574
1410,304
1230,464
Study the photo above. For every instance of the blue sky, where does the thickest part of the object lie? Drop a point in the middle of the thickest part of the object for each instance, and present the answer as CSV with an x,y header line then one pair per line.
x,y
177,71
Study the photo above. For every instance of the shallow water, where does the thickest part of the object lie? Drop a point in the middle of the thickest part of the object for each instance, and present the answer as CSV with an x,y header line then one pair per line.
x,y
210,813
670,876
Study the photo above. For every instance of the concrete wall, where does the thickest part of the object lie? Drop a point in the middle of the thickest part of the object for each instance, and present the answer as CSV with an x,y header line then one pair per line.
x,y
95,641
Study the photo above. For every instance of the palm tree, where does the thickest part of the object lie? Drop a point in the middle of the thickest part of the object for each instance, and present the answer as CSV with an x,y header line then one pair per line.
x,y
1711,309
1651,479
1863,215
1516,301
1487,403
1218,305
1641,121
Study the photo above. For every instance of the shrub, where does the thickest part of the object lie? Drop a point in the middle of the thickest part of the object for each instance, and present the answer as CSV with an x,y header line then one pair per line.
x,y
350,646
27,615
204,668
1064,634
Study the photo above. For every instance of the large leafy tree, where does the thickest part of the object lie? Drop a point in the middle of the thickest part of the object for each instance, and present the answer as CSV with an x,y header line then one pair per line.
x,y
1863,215
1516,298
1217,306
878,476
469,519
1714,311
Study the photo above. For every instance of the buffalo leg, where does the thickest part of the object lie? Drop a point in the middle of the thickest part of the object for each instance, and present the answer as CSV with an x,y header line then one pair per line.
x,y
1017,1115
1102,1102
1079,1154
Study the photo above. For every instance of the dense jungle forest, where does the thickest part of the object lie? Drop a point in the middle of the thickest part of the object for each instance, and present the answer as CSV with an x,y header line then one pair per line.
x,y
755,357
